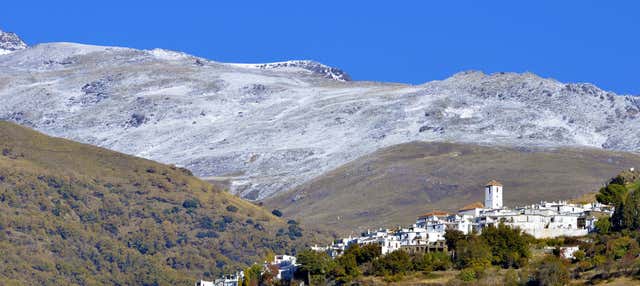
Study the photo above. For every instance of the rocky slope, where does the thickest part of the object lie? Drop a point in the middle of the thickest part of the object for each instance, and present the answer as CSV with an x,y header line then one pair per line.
x,y
270,127
306,65
10,42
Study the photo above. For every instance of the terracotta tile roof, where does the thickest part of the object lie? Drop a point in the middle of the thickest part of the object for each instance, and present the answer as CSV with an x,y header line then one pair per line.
x,y
434,213
471,206
493,183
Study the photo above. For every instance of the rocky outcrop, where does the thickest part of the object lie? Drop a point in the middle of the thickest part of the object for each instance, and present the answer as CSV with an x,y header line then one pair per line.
x,y
10,42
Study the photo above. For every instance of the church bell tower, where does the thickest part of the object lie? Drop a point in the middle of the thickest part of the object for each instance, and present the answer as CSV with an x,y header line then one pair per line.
x,y
493,195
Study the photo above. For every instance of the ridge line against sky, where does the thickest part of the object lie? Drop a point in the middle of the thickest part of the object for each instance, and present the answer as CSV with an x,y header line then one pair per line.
x,y
407,42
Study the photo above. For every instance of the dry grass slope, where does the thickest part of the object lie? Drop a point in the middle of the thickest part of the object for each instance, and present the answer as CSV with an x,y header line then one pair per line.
x,y
76,214
395,184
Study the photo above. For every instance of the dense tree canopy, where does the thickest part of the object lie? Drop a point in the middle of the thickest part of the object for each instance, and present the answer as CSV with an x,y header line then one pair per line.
x,y
509,246
612,194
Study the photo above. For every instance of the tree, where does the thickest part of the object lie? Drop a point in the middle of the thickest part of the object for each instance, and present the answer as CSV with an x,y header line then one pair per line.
x,y
509,246
474,252
253,275
365,253
612,194
617,219
313,264
345,269
269,275
631,211
431,261
452,236
552,271
603,225
394,263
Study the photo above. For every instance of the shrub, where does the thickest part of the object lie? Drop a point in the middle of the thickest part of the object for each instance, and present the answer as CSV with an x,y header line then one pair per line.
x,y
467,275
552,271
579,255
232,208
207,234
206,223
221,225
617,248
191,204
294,231
511,278
432,261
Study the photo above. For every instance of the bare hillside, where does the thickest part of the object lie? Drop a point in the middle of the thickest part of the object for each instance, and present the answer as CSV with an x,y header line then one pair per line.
x,y
395,184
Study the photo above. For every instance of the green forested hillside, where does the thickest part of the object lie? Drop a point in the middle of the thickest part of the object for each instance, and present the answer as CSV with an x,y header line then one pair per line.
x,y
76,214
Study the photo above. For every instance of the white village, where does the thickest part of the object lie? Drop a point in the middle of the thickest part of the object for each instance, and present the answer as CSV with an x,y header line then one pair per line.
x,y
427,234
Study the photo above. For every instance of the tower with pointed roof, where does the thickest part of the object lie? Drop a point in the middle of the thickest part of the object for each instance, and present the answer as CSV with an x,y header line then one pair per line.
x,y
493,195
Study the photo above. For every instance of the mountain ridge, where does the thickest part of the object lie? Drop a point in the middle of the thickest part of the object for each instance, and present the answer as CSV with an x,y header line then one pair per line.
x,y
269,131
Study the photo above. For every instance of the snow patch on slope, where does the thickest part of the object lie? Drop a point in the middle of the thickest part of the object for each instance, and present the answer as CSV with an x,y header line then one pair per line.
x,y
168,55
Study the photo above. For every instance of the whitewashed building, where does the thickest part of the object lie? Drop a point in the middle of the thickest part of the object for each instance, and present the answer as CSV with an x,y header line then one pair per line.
x,y
204,283
287,266
493,195
541,220
225,280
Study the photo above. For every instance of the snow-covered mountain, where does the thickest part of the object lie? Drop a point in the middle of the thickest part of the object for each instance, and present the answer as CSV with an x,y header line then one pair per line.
x,y
10,42
269,127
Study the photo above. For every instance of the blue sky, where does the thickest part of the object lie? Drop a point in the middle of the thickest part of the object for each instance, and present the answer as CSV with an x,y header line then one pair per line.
x,y
398,41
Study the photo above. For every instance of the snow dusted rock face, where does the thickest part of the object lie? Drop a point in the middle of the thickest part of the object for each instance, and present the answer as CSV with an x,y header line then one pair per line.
x,y
10,42
303,66
270,127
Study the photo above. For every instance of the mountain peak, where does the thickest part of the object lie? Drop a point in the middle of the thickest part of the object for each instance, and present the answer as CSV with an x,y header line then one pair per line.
x,y
10,42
